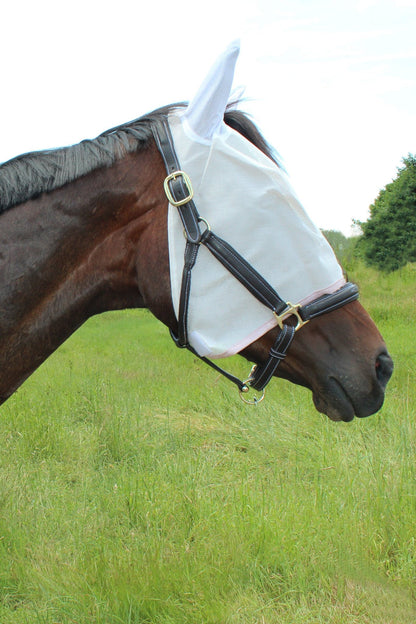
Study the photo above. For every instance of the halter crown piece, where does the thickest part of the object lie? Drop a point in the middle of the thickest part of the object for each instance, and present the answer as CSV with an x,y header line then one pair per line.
x,y
249,245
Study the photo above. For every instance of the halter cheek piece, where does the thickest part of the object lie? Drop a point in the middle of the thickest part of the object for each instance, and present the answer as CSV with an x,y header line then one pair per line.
x,y
178,189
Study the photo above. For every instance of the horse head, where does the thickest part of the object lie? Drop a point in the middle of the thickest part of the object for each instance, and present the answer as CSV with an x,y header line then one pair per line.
x,y
240,191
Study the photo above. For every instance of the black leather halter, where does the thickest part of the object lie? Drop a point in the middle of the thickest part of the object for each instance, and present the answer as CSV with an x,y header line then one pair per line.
x,y
179,192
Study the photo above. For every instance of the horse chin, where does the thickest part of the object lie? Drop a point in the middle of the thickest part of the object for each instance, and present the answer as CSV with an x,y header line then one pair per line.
x,y
337,410
336,403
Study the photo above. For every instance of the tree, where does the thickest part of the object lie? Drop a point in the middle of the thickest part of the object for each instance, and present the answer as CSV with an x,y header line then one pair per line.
x,y
389,236
344,248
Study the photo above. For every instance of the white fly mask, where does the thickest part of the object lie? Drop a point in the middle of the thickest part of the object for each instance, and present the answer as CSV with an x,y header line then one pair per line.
x,y
247,201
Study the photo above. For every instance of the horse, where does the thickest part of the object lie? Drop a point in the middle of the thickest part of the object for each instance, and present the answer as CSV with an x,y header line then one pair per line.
x,y
84,230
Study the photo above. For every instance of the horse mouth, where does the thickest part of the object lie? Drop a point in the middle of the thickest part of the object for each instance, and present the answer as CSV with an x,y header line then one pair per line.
x,y
336,403
346,396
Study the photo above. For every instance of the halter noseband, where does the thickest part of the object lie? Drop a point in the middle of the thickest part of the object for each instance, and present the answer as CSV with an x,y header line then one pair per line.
x,y
178,189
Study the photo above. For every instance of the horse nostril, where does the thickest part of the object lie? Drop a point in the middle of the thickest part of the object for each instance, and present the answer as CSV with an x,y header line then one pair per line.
x,y
384,368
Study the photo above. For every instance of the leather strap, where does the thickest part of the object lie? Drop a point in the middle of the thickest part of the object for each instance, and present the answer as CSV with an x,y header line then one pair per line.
x,y
263,374
191,254
349,292
243,271
188,212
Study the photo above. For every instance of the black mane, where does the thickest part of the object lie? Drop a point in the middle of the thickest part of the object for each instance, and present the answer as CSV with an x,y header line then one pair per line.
x,y
27,176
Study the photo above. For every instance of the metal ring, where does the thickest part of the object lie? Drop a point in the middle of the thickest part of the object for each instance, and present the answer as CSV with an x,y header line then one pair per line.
x,y
246,388
205,222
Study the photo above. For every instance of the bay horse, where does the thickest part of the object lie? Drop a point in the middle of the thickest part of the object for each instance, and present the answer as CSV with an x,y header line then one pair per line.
x,y
84,230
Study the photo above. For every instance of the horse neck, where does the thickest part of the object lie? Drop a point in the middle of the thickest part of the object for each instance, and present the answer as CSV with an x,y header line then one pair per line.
x,y
70,254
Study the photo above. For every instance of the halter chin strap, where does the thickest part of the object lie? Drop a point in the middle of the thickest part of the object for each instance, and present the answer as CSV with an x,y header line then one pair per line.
x,y
179,192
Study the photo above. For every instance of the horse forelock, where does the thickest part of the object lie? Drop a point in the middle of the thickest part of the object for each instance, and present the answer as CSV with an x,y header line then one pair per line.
x,y
29,175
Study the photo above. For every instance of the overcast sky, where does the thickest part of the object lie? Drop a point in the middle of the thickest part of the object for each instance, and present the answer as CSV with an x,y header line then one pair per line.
x,y
332,85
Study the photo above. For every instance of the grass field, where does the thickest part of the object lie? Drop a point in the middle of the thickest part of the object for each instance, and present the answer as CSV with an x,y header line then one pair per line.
x,y
135,487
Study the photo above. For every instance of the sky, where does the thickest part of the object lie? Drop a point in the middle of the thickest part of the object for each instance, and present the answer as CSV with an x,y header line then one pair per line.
x,y
332,85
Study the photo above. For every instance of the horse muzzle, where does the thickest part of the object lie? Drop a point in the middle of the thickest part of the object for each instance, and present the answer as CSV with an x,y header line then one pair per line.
x,y
344,396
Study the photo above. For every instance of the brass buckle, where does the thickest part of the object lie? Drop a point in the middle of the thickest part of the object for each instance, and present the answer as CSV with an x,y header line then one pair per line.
x,y
187,183
291,310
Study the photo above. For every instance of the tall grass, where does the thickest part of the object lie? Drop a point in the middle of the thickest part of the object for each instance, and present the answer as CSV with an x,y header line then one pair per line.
x,y
135,487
